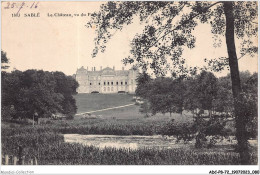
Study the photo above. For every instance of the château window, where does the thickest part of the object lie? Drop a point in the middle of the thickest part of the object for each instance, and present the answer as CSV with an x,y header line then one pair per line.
x,y
121,83
99,83
107,83
104,89
116,83
90,84
104,83
112,83
125,83
108,89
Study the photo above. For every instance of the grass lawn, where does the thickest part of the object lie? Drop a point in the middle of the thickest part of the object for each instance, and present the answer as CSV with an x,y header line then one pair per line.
x,y
121,121
91,102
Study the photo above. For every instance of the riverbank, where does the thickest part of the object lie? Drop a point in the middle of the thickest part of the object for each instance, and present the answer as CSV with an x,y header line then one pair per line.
x,y
48,145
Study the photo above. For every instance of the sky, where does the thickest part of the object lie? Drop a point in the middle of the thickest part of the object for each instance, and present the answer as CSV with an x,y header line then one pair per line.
x,y
65,43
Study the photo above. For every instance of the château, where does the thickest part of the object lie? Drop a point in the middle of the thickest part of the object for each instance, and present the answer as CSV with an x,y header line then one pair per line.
x,y
106,80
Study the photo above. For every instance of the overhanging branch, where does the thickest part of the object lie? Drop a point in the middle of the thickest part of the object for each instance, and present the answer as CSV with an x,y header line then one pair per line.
x,y
192,16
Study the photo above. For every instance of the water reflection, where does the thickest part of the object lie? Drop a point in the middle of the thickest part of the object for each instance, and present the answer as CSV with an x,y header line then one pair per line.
x,y
137,142
133,142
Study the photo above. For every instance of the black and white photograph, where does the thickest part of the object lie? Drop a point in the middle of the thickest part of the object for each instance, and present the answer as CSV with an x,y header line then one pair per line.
x,y
140,83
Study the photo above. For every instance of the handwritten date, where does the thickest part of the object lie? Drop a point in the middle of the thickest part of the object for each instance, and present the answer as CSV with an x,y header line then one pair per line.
x,y
21,5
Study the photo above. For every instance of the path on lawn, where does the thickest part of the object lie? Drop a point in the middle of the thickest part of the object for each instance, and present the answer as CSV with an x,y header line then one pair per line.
x,y
106,109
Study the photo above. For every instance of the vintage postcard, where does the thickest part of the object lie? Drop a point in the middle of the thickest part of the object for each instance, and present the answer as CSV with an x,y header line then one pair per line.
x,y
129,83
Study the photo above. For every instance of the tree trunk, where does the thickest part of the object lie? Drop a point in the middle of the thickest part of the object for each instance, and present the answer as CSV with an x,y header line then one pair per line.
x,y
240,118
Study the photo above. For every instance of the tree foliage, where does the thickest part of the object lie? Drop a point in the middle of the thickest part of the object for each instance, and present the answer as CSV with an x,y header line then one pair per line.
x,y
168,30
37,91
161,97
142,88
162,94
206,89
4,61
199,93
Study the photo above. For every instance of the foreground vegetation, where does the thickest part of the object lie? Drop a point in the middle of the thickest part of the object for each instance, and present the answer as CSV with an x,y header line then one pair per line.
x,y
46,143
98,126
48,146
81,155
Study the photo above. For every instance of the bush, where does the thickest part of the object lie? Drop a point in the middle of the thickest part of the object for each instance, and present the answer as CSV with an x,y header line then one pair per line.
x,y
183,131
6,113
199,130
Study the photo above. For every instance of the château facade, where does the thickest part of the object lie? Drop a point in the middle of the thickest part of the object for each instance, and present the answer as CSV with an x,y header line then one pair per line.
x,y
106,80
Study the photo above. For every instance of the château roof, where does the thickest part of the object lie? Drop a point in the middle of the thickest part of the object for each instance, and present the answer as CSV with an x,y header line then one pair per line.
x,y
105,71
122,72
107,68
108,71
82,68
93,73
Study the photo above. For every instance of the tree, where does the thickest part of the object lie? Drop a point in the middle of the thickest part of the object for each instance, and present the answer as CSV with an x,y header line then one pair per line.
x,y
36,94
224,100
37,91
9,92
250,97
145,108
6,111
178,90
206,90
249,85
4,60
161,97
200,93
191,102
66,85
169,29
142,88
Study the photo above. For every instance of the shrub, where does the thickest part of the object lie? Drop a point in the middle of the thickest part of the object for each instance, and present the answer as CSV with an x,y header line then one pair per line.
x,y
183,131
199,130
